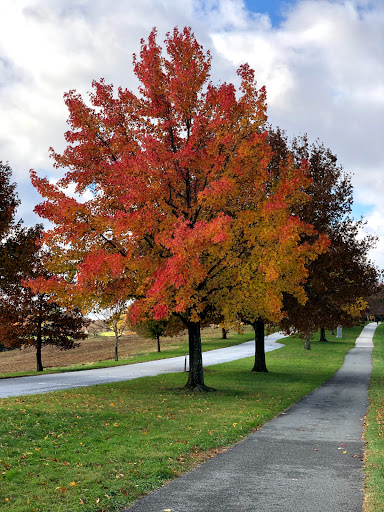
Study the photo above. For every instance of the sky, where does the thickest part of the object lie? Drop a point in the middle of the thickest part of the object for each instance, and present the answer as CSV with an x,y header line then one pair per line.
x,y
320,60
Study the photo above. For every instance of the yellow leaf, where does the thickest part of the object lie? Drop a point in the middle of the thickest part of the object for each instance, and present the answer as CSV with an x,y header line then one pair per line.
x,y
28,502
72,483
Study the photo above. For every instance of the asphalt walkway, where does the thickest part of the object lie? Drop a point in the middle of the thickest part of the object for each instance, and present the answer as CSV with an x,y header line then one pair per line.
x,y
308,459
44,383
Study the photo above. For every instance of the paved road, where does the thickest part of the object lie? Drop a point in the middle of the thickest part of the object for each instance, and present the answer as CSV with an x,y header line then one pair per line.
x,y
308,459
45,383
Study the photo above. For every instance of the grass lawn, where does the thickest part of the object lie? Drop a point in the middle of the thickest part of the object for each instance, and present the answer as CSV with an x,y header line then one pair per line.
x,y
100,448
374,430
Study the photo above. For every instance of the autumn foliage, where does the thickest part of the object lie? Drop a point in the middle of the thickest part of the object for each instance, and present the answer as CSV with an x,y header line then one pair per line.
x,y
186,211
340,277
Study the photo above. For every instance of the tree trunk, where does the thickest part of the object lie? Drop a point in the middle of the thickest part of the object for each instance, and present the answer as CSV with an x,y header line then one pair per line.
x,y
307,342
158,342
39,363
223,334
259,365
196,372
322,334
116,346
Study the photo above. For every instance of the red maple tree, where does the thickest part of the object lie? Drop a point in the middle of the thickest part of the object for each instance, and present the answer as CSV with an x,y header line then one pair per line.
x,y
181,193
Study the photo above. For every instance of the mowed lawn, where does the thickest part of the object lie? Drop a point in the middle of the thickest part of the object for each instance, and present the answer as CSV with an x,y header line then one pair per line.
x,y
100,448
374,430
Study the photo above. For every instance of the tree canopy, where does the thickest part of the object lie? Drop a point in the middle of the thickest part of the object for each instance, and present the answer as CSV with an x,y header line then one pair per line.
x,y
340,277
185,205
28,317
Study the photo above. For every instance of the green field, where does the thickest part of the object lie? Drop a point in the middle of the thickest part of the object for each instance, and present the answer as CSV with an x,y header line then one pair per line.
x,y
100,448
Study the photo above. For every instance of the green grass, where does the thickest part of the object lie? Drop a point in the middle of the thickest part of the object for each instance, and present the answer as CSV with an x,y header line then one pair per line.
x,y
208,343
100,448
374,430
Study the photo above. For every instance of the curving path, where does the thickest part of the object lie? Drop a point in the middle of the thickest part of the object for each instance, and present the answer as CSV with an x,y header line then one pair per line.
x,y
308,459
45,383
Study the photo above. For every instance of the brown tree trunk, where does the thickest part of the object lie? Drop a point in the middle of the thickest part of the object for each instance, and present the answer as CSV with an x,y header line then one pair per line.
x,y
39,363
158,342
196,372
259,365
116,346
307,342
223,333
322,334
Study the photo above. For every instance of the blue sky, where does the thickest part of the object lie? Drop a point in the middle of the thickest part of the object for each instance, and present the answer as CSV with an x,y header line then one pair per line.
x,y
274,8
320,60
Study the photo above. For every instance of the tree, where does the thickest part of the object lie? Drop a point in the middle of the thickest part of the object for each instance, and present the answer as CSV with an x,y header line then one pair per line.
x,y
8,205
32,317
8,200
115,317
375,303
181,192
27,318
152,329
339,278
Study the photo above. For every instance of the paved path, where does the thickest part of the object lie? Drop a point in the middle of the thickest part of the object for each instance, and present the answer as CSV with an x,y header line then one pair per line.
x,y
45,383
308,459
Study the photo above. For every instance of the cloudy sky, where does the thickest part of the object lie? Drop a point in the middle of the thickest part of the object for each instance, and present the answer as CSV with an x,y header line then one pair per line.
x,y
321,61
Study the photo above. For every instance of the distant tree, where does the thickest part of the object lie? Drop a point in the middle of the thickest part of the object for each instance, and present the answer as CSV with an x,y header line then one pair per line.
x,y
34,319
152,329
375,303
31,317
115,318
96,327
28,317
155,329
8,201
339,278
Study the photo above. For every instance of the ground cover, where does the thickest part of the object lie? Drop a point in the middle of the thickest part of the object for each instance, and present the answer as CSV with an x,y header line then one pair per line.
x,y
98,352
100,448
374,430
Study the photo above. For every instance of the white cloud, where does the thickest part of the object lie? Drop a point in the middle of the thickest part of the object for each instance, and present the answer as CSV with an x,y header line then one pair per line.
x,y
322,66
